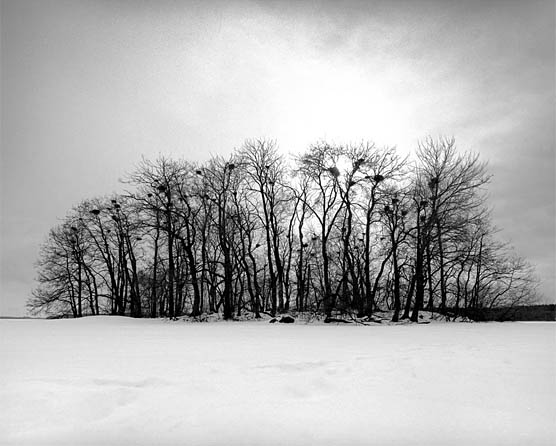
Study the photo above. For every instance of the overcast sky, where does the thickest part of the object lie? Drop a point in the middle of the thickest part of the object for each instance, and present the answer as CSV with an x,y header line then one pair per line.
x,y
88,87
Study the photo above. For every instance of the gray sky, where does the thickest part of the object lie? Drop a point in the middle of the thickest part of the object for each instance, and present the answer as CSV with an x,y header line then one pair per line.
x,y
88,87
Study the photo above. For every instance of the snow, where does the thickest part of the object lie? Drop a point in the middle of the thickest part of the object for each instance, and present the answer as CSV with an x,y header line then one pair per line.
x,y
118,381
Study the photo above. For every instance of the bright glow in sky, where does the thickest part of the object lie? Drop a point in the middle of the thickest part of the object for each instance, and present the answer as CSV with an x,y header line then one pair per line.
x,y
88,87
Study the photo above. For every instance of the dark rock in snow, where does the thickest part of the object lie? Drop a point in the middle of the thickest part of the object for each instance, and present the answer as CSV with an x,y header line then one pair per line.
x,y
273,320
287,320
330,320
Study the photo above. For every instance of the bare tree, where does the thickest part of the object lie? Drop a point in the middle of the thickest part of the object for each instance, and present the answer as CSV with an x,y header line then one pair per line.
x,y
264,172
451,184
349,228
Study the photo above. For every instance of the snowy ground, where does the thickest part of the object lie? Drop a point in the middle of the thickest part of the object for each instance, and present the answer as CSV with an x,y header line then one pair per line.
x,y
116,381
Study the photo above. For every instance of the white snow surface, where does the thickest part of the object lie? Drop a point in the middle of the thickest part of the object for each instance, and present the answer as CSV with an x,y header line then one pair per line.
x,y
120,381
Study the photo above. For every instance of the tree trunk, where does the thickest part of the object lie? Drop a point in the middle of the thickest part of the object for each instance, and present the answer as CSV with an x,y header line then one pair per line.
x,y
419,276
443,293
171,266
397,302
409,298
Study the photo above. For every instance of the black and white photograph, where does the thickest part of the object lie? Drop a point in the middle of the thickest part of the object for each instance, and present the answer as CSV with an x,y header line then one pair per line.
x,y
277,222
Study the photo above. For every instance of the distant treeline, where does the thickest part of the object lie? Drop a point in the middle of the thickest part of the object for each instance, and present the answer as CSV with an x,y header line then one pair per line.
x,y
339,228
518,313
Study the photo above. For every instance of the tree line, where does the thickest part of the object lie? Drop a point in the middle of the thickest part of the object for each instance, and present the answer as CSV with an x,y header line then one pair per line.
x,y
337,229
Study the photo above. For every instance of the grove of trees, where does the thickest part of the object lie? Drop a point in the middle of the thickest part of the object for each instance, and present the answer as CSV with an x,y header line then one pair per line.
x,y
337,229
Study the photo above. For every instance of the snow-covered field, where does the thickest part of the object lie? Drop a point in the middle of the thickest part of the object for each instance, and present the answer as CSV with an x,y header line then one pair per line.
x,y
116,381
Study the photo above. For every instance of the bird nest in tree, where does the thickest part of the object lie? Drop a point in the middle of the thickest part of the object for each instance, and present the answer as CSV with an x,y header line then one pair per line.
x,y
334,171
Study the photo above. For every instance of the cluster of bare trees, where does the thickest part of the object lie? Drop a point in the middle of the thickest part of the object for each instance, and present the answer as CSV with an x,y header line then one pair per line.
x,y
349,228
